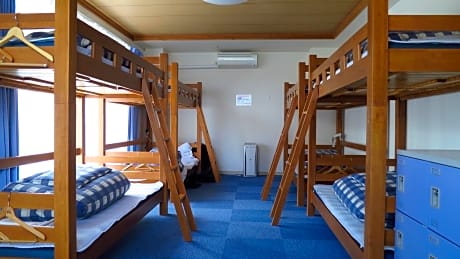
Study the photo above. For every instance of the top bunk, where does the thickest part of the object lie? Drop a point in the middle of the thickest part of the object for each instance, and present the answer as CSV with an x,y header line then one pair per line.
x,y
104,67
296,93
419,63
183,95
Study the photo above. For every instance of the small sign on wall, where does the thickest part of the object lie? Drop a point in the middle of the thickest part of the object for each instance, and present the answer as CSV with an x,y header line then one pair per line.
x,y
243,100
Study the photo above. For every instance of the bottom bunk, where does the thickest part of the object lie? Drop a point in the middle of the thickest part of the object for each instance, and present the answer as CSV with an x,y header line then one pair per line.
x,y
98,233
109,202
342,207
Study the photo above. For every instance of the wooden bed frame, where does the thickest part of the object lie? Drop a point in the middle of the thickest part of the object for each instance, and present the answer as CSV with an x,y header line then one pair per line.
x,y
385,74
334,164
69,75
186,96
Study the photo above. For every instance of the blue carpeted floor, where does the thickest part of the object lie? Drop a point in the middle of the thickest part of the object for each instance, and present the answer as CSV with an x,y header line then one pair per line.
x,y
232,223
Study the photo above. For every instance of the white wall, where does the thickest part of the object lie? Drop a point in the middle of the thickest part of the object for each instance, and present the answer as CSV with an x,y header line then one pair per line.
x,y
230,126
434,122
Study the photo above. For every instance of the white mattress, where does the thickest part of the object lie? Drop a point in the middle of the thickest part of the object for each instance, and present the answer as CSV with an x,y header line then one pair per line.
x,y
352,224
90,229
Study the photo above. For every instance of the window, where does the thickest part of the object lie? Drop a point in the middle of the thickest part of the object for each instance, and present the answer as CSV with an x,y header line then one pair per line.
x,y
36,109
36,128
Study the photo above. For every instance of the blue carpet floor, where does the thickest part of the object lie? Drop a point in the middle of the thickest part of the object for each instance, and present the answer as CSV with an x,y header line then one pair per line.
x,y
232,223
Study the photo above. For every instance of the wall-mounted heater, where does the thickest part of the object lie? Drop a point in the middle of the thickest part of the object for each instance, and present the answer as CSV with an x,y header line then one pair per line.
x,y
236,60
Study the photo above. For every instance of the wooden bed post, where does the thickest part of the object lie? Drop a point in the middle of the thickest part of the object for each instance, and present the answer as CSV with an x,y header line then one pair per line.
x,y
376,134
164,102
173,104
301,163
101,102
81,134
65,128
199,129
311,168
340,128
286,114
401,124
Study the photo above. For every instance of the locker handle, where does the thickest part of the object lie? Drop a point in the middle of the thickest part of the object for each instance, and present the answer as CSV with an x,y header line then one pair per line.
x,y
435,241
435,197
399,239
400,183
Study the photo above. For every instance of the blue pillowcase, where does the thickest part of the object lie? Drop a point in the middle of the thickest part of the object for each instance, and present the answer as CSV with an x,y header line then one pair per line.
x,y
351,191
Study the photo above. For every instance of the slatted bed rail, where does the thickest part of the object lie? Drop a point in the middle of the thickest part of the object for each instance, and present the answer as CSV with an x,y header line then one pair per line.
x,y
103,65
347,67
138,166
188,95
290,91
21,231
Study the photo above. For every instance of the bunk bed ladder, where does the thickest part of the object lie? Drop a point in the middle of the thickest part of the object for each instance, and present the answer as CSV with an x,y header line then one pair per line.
x,y
168,155
279,149
297,150
209,148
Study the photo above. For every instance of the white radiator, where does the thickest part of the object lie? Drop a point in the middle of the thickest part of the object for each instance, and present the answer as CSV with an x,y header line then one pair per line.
x,y
250,159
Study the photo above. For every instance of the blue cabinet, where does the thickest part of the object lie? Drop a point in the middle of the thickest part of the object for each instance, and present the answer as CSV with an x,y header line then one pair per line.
x,y
427,213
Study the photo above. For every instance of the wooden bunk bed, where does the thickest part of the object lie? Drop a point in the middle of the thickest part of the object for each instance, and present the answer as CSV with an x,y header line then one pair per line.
x,y
331,160
69,73
186,96
381,73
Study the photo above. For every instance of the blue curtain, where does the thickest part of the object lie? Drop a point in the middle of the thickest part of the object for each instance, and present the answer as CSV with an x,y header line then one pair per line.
x,y
134,126
7,6
9,139
8,116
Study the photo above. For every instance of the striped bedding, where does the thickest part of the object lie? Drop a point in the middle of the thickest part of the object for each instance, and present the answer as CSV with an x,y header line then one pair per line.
x,y
97,189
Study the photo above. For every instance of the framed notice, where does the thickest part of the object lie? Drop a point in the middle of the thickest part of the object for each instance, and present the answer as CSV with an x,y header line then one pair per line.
x,y
243,100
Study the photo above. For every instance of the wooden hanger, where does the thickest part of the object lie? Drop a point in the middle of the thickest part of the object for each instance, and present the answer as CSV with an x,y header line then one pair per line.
x,y
12,216
16,32
8,212
5,56
4,237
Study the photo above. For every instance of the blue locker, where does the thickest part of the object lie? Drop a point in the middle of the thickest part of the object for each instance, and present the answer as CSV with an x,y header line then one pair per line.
x,y
440,248
427,208
443,216
411,179
409,235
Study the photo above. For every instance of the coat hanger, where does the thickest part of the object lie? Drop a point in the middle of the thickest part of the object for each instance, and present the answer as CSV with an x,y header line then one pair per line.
x,y
8,212
5,56
16,32
4,237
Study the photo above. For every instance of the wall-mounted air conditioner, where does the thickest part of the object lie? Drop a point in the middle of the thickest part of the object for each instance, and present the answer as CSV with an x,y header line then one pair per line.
x,y
236,60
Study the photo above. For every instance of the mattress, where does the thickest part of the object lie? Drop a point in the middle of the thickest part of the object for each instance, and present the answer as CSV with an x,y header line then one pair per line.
x,y
89,229
349,222
353,226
